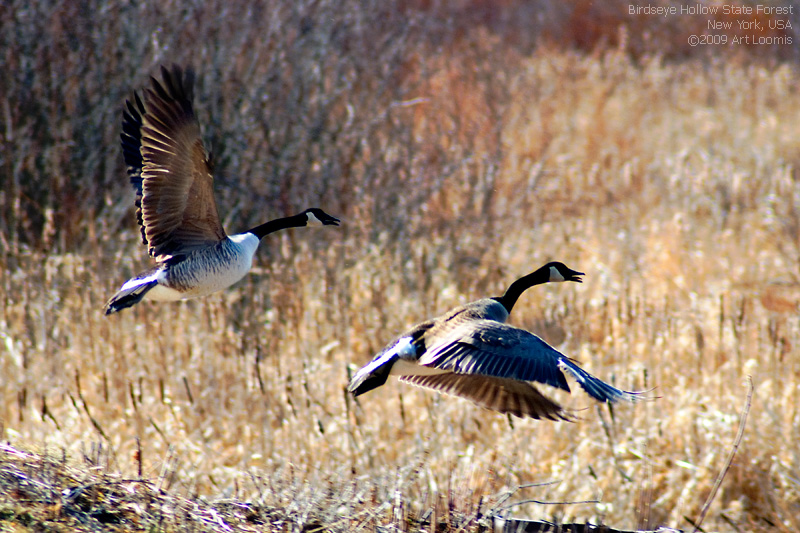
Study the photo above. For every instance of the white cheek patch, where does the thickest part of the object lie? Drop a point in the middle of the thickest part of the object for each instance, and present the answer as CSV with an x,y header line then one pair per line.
x,y
312,219
555,275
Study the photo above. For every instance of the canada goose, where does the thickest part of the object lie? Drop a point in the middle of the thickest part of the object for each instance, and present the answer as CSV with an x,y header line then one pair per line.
x,y
171,172
470,352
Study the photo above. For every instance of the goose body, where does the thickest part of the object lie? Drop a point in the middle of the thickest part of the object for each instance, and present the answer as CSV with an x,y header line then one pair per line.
x,y
171,173
471,352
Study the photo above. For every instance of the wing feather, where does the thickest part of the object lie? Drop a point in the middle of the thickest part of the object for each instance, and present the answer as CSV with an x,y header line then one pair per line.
x,y
489,348
131,139
597,388
175,198
497,394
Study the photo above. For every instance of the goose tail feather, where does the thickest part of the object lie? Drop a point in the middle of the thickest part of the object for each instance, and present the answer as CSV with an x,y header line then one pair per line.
x,y
130,294
597,388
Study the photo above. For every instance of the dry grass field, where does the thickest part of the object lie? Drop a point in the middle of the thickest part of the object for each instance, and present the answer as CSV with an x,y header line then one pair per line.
x,y
459,158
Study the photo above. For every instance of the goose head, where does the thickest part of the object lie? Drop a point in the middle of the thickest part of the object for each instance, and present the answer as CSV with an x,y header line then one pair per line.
x,y
554,271
559,272
317,217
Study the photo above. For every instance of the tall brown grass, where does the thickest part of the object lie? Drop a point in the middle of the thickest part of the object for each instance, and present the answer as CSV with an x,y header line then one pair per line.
x,y
458,161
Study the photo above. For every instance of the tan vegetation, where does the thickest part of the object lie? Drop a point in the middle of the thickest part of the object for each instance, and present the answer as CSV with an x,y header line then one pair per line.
x,y
458,160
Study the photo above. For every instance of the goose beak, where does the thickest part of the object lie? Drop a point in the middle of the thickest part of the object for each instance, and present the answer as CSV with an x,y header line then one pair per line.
x,y
574,275
328,220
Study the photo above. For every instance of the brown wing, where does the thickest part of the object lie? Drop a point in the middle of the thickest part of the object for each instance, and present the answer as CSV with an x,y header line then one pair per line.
x,y
131,139
178,210
498,394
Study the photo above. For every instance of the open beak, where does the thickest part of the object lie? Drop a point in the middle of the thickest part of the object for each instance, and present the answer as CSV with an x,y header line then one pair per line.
x,y
330,221
574,276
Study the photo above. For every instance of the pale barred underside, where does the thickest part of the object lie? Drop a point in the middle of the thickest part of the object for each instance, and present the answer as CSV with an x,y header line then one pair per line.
x,y
498,394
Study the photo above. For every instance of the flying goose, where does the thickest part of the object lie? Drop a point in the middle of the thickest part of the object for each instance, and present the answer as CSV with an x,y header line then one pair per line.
x,y
171,172
470,352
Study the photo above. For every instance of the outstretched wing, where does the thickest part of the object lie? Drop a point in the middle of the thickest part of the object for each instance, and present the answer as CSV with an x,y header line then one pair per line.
x,y
131,139
498,394
489,348
175,197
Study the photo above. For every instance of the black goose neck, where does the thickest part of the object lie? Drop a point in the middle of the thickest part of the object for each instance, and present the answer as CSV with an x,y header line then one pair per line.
x,y
515,290
278,224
